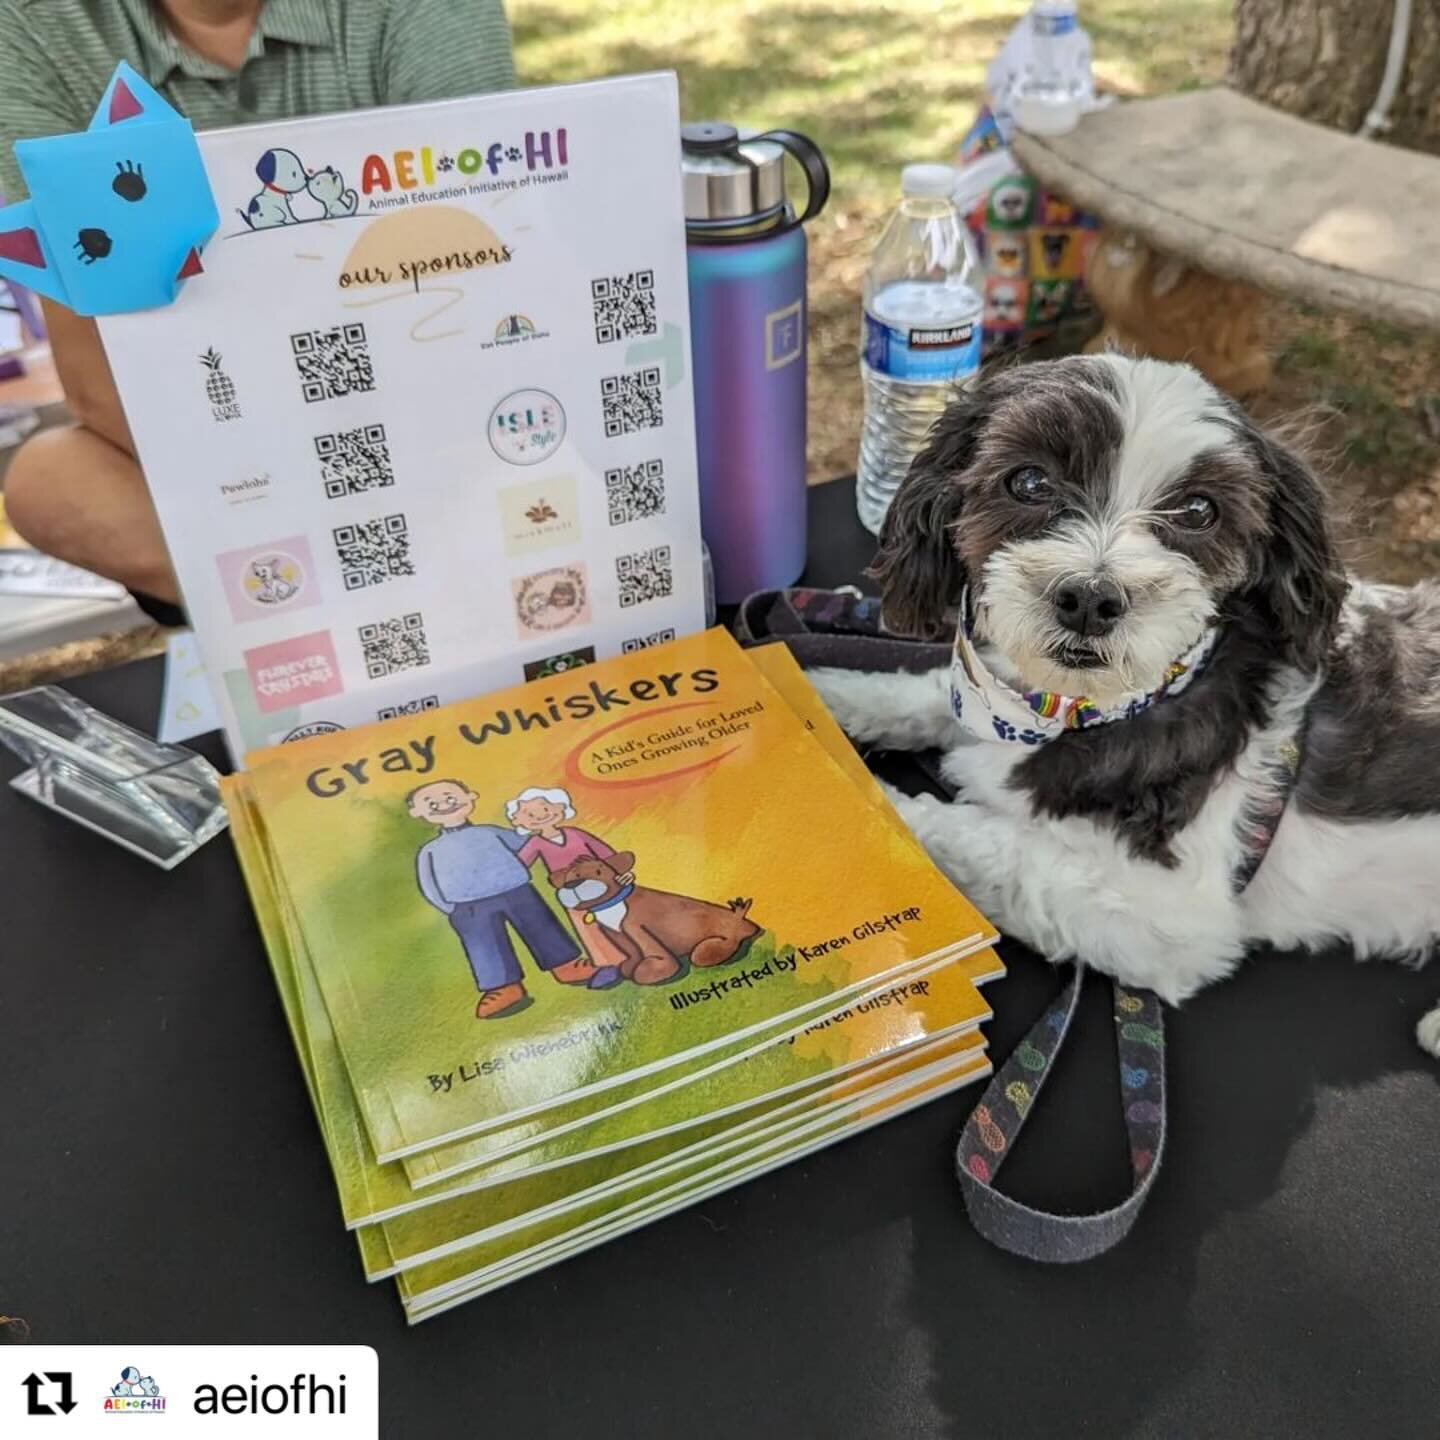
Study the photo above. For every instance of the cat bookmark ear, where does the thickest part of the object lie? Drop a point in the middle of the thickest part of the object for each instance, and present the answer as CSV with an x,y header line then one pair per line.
x,y
128,96
22,253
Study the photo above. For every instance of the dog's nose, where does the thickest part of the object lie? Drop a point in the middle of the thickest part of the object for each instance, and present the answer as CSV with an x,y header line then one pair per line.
x,y
1090,605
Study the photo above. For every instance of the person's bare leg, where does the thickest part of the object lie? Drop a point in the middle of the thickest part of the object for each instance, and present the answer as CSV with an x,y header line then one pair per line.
x,y
82,499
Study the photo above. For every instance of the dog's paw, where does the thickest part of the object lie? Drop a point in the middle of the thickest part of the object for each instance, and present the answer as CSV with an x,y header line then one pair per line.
x,y
843,698
897,711
1427,1032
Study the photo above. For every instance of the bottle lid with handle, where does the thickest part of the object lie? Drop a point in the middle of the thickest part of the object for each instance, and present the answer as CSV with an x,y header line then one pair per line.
x,y
735,184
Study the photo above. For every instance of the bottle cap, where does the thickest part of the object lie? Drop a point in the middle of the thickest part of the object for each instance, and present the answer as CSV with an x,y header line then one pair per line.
x,y
937,180
729,176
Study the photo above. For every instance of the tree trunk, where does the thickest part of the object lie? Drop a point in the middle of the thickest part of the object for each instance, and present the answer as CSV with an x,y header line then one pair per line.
x,y
1323,60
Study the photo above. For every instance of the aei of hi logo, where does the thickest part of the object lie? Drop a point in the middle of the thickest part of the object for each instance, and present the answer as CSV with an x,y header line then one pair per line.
x,y
540,150
134,1392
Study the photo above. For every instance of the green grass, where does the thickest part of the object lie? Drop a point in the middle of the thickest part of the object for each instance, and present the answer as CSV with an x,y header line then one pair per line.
x,y
1310,350
876,84
1376,431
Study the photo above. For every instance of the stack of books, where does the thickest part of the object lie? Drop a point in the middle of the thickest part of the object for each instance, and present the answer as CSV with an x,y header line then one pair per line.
x,y
564,959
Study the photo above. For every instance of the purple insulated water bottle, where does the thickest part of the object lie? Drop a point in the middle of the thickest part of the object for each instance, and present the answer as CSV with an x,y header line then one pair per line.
x,y
747,308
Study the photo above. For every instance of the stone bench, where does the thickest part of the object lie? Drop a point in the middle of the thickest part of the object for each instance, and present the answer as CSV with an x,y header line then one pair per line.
x,y
1255,198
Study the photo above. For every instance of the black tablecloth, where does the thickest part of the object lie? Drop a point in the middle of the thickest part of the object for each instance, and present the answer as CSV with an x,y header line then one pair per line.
x,y
162,1180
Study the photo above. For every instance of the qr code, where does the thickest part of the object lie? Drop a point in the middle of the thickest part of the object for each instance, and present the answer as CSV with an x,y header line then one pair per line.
x,y
644,642
373,551
632,401
645,575
352,461
635,492
333,363
624,305
390,646
410,707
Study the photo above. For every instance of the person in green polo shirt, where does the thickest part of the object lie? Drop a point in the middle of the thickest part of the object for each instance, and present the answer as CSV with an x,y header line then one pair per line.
x,y
77,492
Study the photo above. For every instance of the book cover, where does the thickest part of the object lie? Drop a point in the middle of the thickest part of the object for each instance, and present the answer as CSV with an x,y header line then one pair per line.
x,y
879,1025
706,872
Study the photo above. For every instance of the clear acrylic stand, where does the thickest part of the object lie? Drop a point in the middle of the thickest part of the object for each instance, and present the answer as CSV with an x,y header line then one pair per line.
x,y
161,801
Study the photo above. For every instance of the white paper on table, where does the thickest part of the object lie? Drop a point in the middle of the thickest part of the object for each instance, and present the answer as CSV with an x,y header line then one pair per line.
x,y
12,337
427,430
28,572
187,707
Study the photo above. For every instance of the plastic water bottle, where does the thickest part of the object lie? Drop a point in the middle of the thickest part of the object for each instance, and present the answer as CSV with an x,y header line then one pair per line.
x,y
922,325
1056,86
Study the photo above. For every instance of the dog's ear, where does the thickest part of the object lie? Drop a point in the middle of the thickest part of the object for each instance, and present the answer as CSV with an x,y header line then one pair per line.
x,y
622,862
919,570
1302,582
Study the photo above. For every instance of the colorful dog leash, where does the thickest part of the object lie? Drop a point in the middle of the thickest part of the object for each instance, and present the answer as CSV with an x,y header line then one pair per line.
x,y
995,1123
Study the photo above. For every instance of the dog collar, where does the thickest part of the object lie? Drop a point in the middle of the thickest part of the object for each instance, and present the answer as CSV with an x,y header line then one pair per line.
x,y
615,899
991,710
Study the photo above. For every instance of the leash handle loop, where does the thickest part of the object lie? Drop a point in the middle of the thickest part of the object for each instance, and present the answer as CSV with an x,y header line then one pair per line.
x,y
996,1122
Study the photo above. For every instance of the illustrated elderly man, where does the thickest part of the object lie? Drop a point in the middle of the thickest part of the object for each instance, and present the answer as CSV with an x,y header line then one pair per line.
x,y
472,874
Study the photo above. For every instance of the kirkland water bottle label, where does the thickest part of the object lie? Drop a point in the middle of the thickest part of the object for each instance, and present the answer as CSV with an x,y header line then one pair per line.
x,y
922,352
1061,24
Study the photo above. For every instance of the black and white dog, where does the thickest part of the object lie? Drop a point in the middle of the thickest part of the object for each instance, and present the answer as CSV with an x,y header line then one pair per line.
x,y
1159,654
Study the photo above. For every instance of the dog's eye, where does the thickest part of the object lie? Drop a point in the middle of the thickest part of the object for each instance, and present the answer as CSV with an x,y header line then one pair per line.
x,y
1030,486
1196,512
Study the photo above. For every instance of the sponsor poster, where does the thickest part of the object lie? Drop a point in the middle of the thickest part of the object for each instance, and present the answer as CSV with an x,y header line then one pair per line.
x,y
423,427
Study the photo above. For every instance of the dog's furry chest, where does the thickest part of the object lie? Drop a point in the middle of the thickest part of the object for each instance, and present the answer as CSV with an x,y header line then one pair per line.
x,y
1200,826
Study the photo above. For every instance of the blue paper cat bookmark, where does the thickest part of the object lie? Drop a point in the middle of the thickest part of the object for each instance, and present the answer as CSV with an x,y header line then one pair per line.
x,y
118,214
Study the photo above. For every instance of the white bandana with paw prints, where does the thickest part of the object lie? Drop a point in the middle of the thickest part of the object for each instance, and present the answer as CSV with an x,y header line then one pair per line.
x,y
990,710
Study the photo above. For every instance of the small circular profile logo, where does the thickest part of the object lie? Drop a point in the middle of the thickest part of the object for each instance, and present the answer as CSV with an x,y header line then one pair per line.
x,y
515,327
135,1391
527,427
552,599
271,578
315,727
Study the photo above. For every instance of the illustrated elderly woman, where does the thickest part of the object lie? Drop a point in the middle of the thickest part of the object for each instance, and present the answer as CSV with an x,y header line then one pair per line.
x,y
538,813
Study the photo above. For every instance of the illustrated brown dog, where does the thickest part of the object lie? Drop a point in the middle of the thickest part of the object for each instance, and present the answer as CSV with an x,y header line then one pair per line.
x,y
654,929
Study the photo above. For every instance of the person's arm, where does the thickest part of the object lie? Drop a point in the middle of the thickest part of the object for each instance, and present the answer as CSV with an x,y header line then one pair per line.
x,y
441,49
429,886
84,373
595,845
528,851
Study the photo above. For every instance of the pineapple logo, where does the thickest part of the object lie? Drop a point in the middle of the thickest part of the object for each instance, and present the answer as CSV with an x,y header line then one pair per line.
x,y
540,512
219,387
